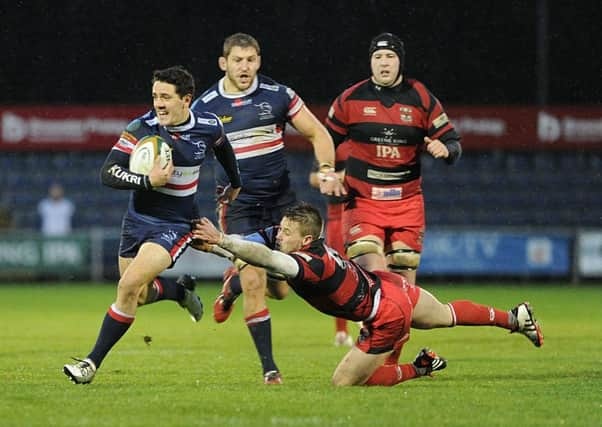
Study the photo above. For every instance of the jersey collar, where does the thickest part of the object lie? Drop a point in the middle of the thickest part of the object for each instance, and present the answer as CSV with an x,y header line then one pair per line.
x,y
185,126
250,90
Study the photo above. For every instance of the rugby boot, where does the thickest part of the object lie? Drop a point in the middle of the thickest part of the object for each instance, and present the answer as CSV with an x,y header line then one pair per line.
x,y
527,325
272,377
224,303
191,301
81,372
427,362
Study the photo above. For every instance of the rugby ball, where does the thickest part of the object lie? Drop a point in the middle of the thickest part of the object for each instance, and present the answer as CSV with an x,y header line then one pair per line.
x,y
146,151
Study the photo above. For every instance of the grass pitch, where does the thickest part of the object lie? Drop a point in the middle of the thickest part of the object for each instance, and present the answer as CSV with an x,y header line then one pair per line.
x,y
207,374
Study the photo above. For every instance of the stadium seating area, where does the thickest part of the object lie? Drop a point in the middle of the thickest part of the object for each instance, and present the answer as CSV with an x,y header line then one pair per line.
x,y
556,189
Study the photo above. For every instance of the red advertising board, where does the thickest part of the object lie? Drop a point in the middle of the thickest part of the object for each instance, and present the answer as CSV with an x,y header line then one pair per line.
x,y
50,128
518,128
481,127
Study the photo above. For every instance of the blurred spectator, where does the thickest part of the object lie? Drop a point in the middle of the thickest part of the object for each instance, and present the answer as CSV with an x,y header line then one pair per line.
x,y
6,214
56,212
6,218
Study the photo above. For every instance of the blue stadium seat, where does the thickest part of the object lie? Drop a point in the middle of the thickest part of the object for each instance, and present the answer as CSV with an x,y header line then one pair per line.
x,y
493,188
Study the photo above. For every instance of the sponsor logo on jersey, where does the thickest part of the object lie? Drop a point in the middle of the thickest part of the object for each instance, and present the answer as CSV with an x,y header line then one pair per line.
x,y
211,95
369,111
225,119
390,193
124,176
210,122
387,152
265,110
386,176
441,120
240,102
388,137
273,88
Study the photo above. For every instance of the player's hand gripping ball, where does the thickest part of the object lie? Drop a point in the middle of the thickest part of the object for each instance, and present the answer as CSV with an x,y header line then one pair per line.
x,y
147,149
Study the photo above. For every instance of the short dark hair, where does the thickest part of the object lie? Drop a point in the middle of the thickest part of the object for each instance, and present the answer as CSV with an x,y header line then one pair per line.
x,y
241,40
178,76
309,219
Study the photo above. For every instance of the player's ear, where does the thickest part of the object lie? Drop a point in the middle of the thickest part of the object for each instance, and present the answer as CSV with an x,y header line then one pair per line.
x,y
187,99
222,63
258,62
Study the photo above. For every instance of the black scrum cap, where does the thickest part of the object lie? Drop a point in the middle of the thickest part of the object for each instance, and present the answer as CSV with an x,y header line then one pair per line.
x,y
390,42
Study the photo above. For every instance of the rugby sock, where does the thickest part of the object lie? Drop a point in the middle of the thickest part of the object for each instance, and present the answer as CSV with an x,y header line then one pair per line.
x,y
260,327
164,289
468,313
114,325
389,375
340,324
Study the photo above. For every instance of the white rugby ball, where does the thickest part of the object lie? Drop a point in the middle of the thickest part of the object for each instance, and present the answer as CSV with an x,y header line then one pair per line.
x,y
146,151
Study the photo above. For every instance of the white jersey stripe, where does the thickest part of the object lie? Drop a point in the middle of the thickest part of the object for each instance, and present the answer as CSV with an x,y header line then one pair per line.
x,y
295,106
176,192
260,152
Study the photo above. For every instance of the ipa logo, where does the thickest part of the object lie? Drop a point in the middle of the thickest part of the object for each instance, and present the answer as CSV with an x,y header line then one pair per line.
x,y
387,152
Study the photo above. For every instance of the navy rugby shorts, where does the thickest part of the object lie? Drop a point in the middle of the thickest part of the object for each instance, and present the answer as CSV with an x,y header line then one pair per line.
x,y
138,229
246,218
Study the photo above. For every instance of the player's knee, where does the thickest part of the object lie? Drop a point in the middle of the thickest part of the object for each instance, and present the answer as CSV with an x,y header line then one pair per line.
x,y
363,247
401,260
341,380
252,283
128,290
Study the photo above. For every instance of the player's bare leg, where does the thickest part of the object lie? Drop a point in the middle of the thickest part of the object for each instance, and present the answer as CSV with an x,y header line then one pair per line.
x,y
431,313
257,317
356,367
151,260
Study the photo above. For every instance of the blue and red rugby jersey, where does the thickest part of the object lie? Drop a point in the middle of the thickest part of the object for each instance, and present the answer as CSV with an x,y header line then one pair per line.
x,y
190,141
254,122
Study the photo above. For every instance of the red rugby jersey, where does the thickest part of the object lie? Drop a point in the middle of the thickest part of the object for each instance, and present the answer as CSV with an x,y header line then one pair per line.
x,y
385,128
333,285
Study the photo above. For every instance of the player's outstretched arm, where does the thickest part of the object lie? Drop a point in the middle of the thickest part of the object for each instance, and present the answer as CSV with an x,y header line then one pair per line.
x,y
251,252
